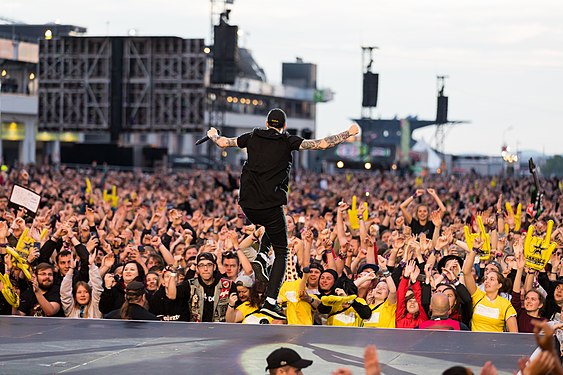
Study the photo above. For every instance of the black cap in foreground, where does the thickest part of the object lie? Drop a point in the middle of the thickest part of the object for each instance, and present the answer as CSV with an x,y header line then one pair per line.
x,y
276,118
135,286
286,357
206,256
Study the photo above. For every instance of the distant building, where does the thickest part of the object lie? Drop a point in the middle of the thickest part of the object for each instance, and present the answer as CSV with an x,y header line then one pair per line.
x,y
66,96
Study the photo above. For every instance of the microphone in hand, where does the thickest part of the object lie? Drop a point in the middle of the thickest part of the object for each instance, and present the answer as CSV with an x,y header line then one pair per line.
x,y
204,139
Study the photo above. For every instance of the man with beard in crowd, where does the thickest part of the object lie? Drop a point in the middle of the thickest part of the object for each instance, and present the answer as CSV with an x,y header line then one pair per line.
x,y
43,299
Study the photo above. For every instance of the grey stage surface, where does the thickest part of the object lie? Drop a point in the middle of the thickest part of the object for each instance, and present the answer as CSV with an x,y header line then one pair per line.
x,y
89,346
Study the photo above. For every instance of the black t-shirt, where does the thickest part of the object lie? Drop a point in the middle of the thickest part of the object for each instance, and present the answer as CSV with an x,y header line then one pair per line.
x,y
29,305
265,175
209,297
171,310
427,228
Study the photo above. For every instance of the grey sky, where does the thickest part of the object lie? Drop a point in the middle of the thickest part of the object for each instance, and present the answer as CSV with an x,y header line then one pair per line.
x,y
504,58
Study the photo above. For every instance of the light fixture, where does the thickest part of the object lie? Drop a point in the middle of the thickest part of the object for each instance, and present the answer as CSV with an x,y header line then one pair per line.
x,y
206,50
340,164
31,76
367,165
48,34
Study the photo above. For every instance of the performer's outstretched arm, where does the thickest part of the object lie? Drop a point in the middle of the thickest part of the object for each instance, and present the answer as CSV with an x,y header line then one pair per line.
x,y
220,141
330,141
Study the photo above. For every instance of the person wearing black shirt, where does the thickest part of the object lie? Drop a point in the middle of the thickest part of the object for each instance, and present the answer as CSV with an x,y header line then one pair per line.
x,y
170,301
209,292
133,308
43,299
264,185
419,222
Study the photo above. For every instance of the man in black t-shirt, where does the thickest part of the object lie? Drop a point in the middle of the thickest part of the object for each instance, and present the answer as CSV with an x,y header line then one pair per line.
x,y
264,185
43,299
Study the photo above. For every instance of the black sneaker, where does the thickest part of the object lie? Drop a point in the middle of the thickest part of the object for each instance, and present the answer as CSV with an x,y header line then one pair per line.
x,y
274,311
259,271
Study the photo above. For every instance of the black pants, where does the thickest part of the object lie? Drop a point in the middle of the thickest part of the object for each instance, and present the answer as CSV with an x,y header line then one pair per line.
x,y
273,220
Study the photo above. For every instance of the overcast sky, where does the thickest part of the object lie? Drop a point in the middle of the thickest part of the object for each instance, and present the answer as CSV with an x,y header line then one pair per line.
x,y
504,58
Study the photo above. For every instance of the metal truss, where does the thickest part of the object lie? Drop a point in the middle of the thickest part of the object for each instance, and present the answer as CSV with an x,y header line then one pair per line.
x,y
159,84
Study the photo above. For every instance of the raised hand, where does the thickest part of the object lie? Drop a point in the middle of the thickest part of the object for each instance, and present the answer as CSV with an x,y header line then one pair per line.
x,y
436,218
484,240
399,222
354,129
414,274
108,260
516,218
537,250
409,268
353,214
92,244
307,236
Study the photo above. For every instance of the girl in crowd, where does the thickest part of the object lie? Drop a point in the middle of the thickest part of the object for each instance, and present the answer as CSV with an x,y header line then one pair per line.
x,y
528,310
83,300
382,301
409,299
491,312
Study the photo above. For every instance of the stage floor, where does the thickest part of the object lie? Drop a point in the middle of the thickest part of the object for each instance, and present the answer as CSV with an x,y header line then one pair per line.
x,y
89,346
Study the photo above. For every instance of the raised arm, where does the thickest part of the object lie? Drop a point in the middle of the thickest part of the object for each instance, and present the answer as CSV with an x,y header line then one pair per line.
x,y
406,214
331,140
468,277
243,260
221,141
434,195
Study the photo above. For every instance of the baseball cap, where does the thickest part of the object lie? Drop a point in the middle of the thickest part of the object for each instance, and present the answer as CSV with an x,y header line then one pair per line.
x,y
317,265
245,281
276,118
206,256
371,266
135,286
286,357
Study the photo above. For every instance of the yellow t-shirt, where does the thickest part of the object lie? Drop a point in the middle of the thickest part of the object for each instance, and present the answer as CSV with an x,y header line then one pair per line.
x,y
298,311
383,316
248,317
346,318
490,316
246,309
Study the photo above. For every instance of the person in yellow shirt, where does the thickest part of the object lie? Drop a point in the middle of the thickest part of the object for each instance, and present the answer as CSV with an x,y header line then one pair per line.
x,y
244,302
299,295
491,312
382,299
345,311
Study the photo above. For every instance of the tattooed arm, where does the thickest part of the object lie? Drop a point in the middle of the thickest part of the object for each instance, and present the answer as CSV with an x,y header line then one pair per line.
x,y
221,141
330,141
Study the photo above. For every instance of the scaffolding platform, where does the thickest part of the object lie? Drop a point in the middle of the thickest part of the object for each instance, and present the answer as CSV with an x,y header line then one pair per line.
x,y
90,346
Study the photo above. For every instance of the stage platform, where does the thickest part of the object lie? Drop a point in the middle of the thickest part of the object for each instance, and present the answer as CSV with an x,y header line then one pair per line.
x,y
89,346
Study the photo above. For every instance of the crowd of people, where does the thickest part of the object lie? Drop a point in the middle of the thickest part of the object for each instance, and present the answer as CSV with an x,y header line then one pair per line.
x,y
373,250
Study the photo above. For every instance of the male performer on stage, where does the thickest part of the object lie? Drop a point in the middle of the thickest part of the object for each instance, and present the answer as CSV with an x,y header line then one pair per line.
x,y
264,185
